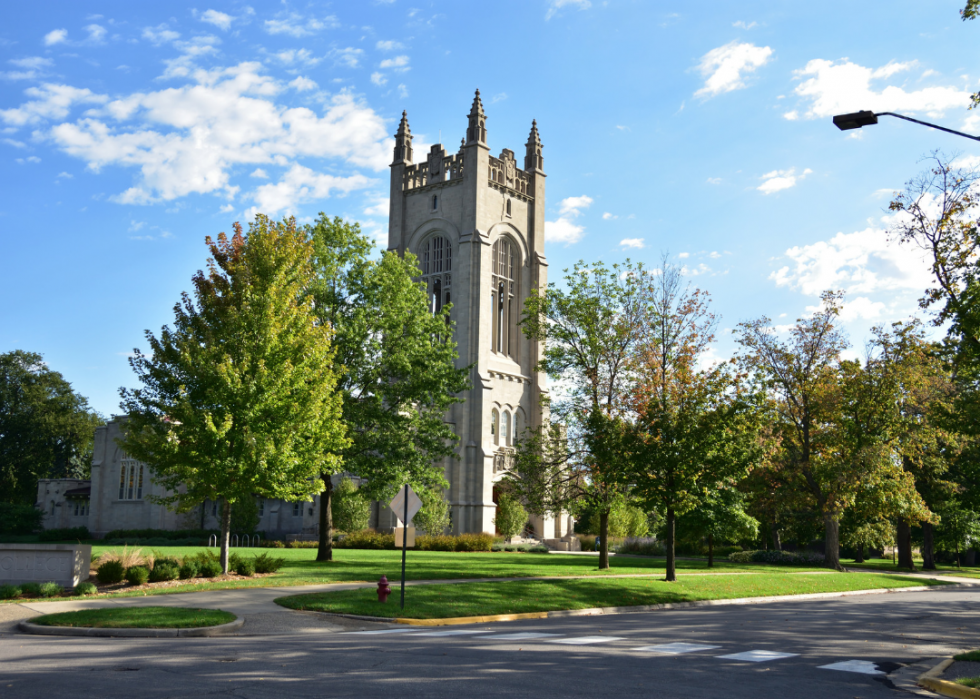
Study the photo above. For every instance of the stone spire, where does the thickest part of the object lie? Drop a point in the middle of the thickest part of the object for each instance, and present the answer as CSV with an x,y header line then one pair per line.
x,y
476,132
533,160
403,142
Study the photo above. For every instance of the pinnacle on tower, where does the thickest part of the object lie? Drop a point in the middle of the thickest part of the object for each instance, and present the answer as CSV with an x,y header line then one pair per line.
x,y
533,160
476,131
403,142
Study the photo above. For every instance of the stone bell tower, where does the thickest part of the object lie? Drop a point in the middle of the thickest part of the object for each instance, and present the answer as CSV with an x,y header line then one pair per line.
x,y
476,223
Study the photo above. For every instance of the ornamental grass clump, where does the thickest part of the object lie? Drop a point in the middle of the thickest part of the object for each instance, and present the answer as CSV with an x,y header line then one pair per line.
x,y
137,575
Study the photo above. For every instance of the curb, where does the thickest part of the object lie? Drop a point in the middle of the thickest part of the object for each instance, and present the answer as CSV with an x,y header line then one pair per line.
x,y
205,631
601,611
930,680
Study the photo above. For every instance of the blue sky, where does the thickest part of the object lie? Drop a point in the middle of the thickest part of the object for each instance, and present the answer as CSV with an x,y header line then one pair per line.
x,y
130,131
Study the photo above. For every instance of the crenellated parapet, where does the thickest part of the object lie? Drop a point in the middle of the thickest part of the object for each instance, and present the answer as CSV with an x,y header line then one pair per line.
x,y
438,168
507,177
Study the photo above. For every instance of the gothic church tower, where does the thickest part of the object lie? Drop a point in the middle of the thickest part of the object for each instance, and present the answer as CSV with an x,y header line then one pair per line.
x,y
476,223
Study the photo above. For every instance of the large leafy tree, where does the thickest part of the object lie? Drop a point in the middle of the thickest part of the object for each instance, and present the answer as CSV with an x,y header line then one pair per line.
x,y
695,429
46,428
238,397
397,361
591,331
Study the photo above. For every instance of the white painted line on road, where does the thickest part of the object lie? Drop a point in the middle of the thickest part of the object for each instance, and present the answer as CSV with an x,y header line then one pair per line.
x,y
676,648
757,656
379,632
585,640
865,667
460,632
521,636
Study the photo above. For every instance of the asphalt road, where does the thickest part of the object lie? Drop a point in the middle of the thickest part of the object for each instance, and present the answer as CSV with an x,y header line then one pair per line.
x,y
330,661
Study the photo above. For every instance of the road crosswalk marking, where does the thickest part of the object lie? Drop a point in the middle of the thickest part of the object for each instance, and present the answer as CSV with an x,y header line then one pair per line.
x,y
676,648
379,632
865,667
526,635
586,640
757,656
455,632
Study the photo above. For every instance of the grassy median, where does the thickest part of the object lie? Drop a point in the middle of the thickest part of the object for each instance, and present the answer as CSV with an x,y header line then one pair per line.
x,y
523,596
138,618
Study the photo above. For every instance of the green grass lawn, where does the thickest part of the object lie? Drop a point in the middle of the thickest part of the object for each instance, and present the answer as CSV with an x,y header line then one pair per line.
x,y
886,564
479,599
138,618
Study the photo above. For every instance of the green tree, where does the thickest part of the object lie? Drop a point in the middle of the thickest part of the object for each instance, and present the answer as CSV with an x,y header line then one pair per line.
x,y
511,516
625,519
46,428
244,516
591,332
351,511
695,428
433,517
238,398
718,518
399,367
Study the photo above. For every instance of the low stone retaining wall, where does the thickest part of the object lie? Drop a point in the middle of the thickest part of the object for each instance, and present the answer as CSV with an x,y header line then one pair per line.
x,y
65,564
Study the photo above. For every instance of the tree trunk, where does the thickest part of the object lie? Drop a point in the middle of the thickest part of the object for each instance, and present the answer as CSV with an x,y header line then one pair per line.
x,y
325,549
904,542
711,551
832,542
671,562
604,540
225,533
859,554
928,547
776,543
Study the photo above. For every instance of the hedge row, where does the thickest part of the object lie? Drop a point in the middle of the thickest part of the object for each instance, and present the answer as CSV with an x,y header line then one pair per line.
x,y
803,558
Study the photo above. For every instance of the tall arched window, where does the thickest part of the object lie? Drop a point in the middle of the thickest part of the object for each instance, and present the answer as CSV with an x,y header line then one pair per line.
x,y
437,267
518,424
494,426
505,429
503,296
508,207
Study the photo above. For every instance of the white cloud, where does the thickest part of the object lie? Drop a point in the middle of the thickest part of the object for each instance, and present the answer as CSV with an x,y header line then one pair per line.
x,y
96,33
609,217
403,93
714,255
50,102
259,173
380,206
348,56
14,143
563,231
684,255
218,19
861,308
778,180
56,36
399,63
301,184
499,97
714,180
743,25
723,67
29,159
297,26
378,78
65,176
695,271
302,84
160,34
864,262
836,88
297,56
557,5
188,139
33,68
136,225
636,243
388,46
791,115
572,205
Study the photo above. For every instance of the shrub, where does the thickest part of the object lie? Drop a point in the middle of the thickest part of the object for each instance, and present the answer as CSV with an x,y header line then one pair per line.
x,y
71,533
275,544
641,546
85,588
265,563
436,543
111,572
164,570
210,569
31,589
803,558
474,542
310,544
189,570
9,591
137,575
511,516
16,518
366,539
50,589
351,511
433,517
167,560
245,566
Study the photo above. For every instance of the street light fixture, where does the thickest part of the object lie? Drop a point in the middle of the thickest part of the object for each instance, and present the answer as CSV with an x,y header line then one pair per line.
x,y
855,120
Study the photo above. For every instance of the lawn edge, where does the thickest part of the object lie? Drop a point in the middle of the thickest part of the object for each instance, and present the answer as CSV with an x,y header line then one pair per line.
x,y
601,611
930,680
195,632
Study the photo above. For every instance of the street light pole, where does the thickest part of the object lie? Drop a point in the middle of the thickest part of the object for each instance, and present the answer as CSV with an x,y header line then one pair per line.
x,y
855,120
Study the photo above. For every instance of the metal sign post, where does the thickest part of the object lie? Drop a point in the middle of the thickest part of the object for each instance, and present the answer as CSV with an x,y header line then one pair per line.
x,y
406,503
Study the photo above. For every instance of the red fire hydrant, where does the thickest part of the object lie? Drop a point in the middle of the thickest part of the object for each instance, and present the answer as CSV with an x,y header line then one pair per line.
x,y
384,589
